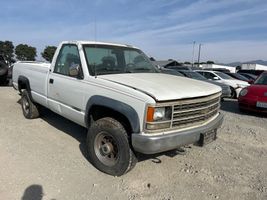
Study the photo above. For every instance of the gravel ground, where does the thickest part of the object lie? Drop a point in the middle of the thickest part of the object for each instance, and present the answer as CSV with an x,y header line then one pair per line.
x,y
45,159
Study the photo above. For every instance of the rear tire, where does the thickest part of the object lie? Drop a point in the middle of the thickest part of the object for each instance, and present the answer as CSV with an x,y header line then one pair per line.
x,y
108,147
29,109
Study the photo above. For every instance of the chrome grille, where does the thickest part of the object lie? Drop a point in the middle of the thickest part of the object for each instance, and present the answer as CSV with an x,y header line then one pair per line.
x,y
196,111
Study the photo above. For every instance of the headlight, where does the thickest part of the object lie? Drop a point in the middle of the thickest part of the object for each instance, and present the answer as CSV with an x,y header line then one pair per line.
x,y
158,117
155,114
243,92
159,114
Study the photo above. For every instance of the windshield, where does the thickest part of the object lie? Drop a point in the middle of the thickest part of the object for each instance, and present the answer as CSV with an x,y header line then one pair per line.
x,y
107,59
224,76
241,77
262,80
194,75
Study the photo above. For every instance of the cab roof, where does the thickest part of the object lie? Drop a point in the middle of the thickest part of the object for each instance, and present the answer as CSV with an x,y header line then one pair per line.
x,y
83,42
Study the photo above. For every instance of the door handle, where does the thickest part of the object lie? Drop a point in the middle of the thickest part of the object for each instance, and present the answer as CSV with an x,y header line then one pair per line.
x,y
51,81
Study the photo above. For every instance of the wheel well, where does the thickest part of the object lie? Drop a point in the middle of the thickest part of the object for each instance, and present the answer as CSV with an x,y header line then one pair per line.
x,y
97,112
21,85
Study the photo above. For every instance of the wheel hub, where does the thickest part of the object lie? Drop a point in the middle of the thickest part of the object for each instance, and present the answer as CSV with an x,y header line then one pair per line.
x,y
26,105
106,148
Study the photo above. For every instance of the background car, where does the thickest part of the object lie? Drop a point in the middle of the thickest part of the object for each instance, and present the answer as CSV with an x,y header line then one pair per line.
x,y
251,77
239,77
226,91
217,69
254,97
251,71
170,71
235,85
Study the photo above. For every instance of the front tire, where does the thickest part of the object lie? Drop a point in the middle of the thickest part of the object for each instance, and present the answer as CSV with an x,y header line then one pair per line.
x,y
108,147
29,109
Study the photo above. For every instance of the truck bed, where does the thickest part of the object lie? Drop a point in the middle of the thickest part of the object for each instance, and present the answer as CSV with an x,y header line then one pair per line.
x,y
36,72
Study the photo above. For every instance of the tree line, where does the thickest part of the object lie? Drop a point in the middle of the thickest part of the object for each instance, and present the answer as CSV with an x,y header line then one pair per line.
x,y
24,52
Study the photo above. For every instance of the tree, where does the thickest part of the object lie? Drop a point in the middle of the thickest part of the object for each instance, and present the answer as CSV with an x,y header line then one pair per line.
x,y
7,50
210,62
49,52
25,52
187,63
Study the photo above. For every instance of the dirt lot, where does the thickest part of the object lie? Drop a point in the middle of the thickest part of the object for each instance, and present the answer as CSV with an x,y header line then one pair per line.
x,y
45,159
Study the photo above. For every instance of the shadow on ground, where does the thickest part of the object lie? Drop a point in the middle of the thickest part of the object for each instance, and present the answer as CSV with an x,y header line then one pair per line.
x,y
33,192
79,133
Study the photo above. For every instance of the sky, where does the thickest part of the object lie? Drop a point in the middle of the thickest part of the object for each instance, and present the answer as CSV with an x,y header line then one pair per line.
x,y
229,30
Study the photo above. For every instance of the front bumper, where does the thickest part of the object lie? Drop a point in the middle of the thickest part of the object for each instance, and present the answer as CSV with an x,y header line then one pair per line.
x,y
250,104
149,144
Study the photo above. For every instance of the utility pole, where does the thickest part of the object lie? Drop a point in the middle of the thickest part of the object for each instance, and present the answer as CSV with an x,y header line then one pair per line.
x,y
193,53
199,50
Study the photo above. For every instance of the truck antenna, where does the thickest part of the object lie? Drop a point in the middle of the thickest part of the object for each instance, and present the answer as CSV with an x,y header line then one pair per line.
x,y
95,70
95,34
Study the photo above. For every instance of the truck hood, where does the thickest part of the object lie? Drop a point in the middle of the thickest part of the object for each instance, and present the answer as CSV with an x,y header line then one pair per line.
x,y
163,87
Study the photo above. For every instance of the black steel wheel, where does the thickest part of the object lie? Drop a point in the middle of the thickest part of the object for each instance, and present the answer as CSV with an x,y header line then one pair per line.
x,y
29,109
108,147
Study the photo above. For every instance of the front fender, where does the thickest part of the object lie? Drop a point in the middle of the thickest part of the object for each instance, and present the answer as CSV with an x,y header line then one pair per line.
x,y
118,106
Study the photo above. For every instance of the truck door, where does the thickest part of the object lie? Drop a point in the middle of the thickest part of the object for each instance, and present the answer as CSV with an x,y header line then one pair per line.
x,y
65,95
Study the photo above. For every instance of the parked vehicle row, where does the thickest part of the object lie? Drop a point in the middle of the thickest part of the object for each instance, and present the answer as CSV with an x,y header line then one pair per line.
x,y
235,85
229,82
226,91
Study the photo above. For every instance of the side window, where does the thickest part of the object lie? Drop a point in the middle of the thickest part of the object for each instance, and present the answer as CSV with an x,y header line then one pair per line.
x,y
209,75
67,57
205,74
212,76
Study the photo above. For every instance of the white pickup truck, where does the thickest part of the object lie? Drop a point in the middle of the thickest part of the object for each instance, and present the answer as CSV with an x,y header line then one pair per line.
x,y
123,100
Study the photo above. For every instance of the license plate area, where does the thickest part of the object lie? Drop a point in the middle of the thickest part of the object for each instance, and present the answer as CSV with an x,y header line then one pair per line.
x,y
208,137
261,104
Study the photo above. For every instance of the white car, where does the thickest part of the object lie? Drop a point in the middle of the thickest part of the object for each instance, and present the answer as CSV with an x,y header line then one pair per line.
x,y
235,85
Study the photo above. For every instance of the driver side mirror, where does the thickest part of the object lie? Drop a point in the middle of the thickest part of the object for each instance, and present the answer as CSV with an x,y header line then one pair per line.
x,y
74,70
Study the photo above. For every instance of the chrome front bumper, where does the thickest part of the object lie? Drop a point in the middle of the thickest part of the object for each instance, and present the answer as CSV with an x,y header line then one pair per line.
x,y
149,144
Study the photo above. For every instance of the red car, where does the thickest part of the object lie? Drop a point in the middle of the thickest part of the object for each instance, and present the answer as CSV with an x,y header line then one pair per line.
x,y
254,97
